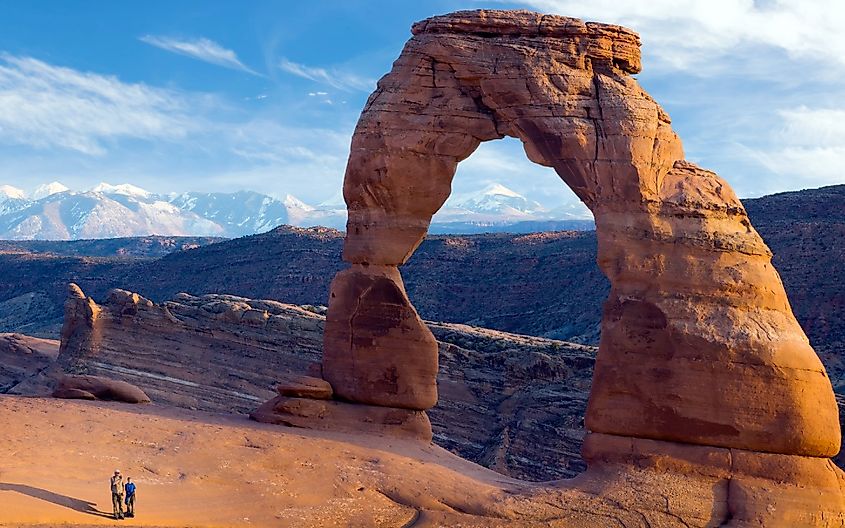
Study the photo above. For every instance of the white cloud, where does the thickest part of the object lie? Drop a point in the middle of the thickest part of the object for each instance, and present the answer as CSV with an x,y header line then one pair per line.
x,y
45,106
334,78
266,141
809,150
89,125
201,49
277,158
687,33
818,127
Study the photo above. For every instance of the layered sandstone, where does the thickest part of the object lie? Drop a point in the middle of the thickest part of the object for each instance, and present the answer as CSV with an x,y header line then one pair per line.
x,y
218,352
22,357
500,393
698,345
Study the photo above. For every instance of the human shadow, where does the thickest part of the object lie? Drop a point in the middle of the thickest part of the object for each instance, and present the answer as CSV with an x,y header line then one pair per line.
x,y
61,500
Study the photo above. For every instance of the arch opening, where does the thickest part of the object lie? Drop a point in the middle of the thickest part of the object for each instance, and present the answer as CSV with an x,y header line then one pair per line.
x,y
498,189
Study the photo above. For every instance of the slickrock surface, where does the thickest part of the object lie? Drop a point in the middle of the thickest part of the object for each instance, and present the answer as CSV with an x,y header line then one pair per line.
x,y
340,416
204,470
698,341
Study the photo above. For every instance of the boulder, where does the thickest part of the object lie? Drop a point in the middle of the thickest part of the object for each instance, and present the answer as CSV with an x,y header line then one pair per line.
x,y
345,417
98,388
300,386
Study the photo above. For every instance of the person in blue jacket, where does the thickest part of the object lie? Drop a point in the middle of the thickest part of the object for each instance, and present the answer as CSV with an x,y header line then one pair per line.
x,y
130,497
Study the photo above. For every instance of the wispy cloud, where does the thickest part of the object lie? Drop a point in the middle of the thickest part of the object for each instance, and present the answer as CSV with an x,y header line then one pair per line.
x,y
201,49
809,149
43,106
685,33
332,77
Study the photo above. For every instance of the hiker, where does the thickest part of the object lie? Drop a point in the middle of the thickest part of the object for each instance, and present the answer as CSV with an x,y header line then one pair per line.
x,y
117,494
130,497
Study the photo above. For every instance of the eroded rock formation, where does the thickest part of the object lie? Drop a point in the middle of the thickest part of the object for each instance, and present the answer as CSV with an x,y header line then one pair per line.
x,y
217,353
699,344
22,357
98,388
500,393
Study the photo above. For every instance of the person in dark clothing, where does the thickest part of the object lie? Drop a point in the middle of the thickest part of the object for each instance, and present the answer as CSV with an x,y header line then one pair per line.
x,y
130,497
116,484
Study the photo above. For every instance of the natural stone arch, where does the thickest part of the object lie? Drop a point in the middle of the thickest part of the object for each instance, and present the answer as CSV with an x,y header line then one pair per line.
x,y
698,341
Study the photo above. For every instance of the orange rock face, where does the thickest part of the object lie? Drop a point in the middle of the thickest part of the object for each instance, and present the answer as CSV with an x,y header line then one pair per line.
x,y
377,349
699,344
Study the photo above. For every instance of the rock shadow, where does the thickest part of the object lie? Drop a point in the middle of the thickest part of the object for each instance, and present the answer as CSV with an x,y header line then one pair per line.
x,y
79,505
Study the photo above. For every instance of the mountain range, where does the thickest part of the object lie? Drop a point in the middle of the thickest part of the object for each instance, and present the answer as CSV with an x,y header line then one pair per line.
x,y
55,212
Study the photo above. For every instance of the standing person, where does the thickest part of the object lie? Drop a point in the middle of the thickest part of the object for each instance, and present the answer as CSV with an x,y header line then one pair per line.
x,y
117,494
130,497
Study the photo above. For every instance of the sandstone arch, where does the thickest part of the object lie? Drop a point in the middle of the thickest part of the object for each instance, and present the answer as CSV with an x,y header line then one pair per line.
x,y
699,344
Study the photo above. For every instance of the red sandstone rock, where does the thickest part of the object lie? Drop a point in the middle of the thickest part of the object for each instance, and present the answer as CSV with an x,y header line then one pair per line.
x,y
702,368
299,386
98,388
345,417
500,393
712,486
377,350
205,352
699,343
22,358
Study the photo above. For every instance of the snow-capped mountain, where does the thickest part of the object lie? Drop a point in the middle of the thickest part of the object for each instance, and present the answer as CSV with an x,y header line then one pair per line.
x,y
125,189
240,213
73,215
7,192
498,200
48,189
55,212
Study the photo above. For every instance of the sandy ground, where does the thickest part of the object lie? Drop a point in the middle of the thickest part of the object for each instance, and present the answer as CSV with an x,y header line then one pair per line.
x,y
195,469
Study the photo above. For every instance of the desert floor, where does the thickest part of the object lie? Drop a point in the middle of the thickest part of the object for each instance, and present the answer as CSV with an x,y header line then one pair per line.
x,y
195,469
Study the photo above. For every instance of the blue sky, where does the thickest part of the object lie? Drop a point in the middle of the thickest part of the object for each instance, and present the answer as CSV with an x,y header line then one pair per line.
x,y
204,95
